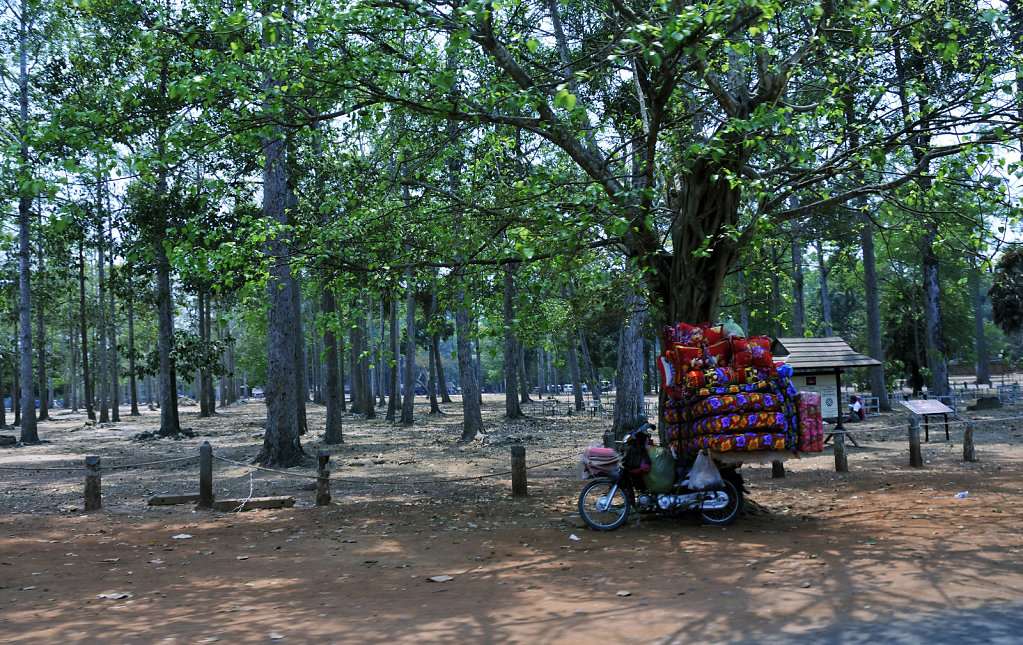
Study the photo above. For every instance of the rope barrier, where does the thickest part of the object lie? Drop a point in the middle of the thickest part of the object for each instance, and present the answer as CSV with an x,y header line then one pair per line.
x,y
152,463
254,467
377,482
106,468
995,420
64,469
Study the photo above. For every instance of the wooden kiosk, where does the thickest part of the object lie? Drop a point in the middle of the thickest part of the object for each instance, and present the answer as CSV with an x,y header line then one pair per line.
x,y
817,365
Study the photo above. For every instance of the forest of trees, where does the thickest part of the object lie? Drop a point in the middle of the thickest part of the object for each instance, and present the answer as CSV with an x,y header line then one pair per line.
x,y
345,202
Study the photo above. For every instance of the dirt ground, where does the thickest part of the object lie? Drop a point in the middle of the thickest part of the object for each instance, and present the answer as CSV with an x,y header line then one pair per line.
x,y
423,541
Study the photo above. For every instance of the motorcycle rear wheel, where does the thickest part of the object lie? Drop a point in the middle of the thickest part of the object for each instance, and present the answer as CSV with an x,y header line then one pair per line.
x,y
729,512
600,509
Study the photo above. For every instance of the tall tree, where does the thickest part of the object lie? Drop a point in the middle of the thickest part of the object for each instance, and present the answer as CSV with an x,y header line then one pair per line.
x,y
629,407
29,430
511,392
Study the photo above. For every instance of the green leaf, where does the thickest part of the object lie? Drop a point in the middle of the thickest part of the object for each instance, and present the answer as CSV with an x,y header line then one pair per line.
x,y
565,99
444,80
532,45
950,50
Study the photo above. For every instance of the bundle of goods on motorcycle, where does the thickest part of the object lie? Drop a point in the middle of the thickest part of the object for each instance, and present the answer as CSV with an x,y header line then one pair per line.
x,y
727,395
598,462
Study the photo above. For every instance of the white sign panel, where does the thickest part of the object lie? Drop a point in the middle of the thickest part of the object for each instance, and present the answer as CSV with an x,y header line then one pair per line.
x,y
824,384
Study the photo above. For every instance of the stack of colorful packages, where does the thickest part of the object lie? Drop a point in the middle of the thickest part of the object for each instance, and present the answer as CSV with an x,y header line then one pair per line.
x,y
726,394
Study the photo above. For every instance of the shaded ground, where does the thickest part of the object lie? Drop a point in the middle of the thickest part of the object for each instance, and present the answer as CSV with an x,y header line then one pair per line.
x,y
884,546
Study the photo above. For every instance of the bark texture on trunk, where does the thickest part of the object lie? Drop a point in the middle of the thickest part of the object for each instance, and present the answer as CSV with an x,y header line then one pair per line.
x,y
511,391
825,294
281,441
394,351
29,429
333,432
572,352
442,382
523,379
472,417
980,339
169,424
102,349
204,406
301,372
629,413
934,331
799,304
878,387
689,282
132,379
83,327
408,402
115,358
743,297
434,366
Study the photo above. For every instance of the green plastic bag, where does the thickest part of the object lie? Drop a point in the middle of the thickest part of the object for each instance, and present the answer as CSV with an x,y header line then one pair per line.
x,y
661,477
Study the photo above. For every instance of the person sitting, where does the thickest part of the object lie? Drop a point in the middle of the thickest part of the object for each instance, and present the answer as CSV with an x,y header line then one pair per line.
x,y
857,411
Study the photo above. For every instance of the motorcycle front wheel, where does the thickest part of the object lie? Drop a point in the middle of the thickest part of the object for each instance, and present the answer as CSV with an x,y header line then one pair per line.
x,y
729,511
603,505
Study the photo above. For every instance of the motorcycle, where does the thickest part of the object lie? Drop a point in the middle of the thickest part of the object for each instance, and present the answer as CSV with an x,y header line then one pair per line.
x,y
606,501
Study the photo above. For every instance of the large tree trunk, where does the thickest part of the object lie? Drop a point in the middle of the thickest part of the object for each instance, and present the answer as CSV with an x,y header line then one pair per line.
x,y
86,377
977,296
511,392
572,350
3,398
629,413
332,433
825,294
281,442
353,367
776,307
689,283
408,402
743,304
394,386
204,406
381,381
799,304
301,372
211,390
115,359
165,343
933,328
16,388
132,379
366,399
472,417
442,382
434,366
878,386
520,350
103,349
44,402
591,368
29,430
